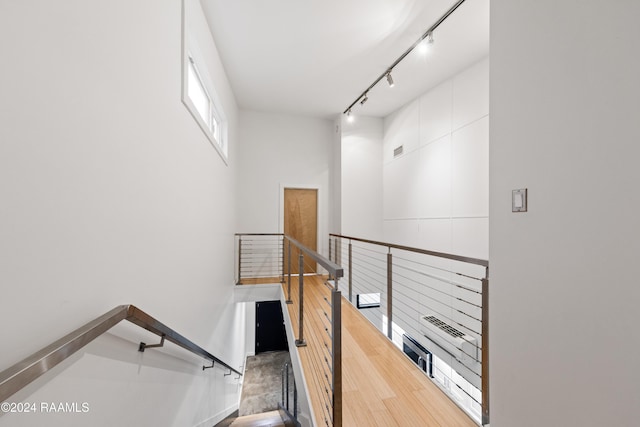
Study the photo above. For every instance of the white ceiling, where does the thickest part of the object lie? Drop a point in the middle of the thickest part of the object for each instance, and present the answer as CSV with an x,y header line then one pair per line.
x,y
315,57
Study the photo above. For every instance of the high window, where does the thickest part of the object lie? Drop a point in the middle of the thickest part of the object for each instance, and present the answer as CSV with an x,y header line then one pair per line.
x,y
198,90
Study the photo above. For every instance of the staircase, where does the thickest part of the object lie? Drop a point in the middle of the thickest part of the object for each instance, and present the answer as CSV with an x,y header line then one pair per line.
x,y
265,385
266,419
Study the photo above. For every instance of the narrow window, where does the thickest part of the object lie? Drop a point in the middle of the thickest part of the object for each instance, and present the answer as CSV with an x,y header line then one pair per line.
x,y
200,76
198,95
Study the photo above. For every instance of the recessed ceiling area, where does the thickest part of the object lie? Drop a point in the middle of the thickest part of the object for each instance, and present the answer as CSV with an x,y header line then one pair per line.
x,y
315,58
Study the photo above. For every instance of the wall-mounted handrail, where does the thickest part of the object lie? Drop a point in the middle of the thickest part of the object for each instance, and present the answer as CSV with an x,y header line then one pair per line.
x,y
477,261
29,369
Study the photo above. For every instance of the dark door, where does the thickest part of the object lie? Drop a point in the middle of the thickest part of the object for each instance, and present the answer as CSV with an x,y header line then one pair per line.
x,y
270,332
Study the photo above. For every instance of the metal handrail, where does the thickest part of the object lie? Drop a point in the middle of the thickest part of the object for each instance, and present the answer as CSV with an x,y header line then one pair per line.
x,y
29,369
484,306
334,269
477,261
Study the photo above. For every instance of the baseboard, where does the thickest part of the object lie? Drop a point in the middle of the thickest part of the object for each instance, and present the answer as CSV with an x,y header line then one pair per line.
x,y
215,419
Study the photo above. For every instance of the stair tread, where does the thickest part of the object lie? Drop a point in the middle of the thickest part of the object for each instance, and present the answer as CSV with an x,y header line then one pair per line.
x,y
266,419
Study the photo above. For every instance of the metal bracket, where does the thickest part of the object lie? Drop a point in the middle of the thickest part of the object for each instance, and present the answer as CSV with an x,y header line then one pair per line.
x,y
144,346
226,375
301,343
209,367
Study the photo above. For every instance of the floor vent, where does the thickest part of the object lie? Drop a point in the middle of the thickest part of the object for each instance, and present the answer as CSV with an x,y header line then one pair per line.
x,y
460,345
398,151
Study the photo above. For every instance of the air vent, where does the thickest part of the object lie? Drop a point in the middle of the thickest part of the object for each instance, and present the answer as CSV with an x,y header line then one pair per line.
x,y
458,344
447,328
398,151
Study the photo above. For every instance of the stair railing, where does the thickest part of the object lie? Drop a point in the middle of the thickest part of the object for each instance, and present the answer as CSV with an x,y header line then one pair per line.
x,y
286,392
29,369
397,285
269,256
332,354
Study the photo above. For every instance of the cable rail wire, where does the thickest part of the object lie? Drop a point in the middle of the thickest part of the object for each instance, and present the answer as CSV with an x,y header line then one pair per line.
x,y
370,250
362,268
284,257
379,261
370,281
434,299
382,255
441,279
412,282
396,256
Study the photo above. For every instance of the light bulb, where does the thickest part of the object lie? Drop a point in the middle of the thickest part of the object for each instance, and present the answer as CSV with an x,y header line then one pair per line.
x,y
350,118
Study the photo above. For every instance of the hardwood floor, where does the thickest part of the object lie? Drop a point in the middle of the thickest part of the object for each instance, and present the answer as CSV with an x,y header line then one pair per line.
x,y
381,387
259,280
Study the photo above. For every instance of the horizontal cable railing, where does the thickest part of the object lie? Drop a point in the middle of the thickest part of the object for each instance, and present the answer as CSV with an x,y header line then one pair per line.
x,y
29,369
436,299
325,349
260,256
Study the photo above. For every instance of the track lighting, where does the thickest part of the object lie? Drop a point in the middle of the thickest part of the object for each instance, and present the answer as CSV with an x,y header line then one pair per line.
x,y
426,37
390,79
425,44
349,116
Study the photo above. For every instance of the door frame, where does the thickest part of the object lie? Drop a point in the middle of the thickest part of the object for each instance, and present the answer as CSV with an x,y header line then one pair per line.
x,y
320,229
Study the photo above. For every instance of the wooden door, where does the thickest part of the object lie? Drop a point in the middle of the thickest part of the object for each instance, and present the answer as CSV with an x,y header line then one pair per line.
x,y
301,223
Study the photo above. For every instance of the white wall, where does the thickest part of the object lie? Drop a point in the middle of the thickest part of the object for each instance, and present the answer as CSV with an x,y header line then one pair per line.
x,y
111,194
564,290
361,178
278,151
335,180
436,192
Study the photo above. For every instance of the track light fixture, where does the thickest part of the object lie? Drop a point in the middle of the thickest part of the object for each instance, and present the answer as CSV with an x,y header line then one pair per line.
x,y
425,44
390,79
427,36
349,116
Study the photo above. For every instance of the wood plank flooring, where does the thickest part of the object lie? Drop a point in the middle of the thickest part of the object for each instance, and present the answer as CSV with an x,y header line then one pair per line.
x,y
381,387
259,280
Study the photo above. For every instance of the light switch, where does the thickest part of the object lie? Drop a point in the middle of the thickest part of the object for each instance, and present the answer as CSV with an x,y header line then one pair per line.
x,y
519,200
